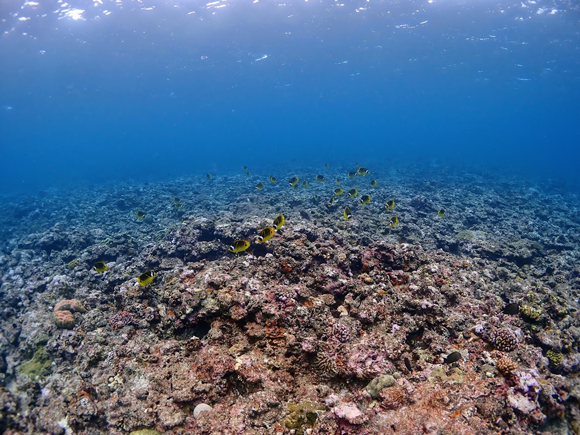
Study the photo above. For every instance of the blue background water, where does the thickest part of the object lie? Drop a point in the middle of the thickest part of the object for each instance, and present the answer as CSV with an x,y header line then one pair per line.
x,y
158,90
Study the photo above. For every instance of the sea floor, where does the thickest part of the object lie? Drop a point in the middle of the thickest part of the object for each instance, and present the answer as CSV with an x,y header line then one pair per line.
x,y
465,323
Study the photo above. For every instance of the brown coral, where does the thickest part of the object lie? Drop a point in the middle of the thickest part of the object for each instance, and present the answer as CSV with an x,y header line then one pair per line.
x,y
325,365
285,267
505,340
506,365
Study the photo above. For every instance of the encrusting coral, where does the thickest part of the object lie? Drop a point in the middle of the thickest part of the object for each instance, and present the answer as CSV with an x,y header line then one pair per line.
x,y
63,313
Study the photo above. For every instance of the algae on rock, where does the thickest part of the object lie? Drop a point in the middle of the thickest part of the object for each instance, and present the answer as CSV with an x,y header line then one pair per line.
x,y
39,365
302,415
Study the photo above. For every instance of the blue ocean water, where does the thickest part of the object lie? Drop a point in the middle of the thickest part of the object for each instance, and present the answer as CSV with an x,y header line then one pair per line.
x,y
93,92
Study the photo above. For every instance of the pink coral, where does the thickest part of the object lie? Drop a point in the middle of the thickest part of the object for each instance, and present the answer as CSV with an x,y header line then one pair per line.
x,y
64,319
63,313
71,305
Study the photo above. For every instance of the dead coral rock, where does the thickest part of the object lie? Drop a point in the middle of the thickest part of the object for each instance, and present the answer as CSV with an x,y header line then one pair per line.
x,y
350,413
63,313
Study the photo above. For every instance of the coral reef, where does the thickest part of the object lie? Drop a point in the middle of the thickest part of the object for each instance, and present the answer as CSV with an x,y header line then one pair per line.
x,y
330,327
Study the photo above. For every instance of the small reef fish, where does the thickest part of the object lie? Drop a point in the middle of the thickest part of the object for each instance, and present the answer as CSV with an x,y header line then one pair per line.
x,y
239,246
513,308
320,177
99,267
394,221
452,357
140,214
272,179
390,204
306,183
337,181
279,221
330,202
146,278
441,213
365,199
374,184
259,186
338,191
352,193
266,234
352,174
209,176
362,171
245,168
347,214
293,181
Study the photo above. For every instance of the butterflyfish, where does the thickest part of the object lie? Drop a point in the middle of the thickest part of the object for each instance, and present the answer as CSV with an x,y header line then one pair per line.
x,y
365,199
259,186
140,214
441,213
347,214
146,278
272,179
320,177
374,184
394,221
352,174
209,176
306,183
293,181
338,191
362,171
266,234
352,193
239,246
99,267
337,181
279,221
390,204
330,202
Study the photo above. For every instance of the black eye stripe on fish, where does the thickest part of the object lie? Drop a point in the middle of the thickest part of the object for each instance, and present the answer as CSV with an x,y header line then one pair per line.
x,y
365,199
347,214
239,246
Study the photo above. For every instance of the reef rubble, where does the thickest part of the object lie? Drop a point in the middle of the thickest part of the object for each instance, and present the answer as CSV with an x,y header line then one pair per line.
x,y
465,323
